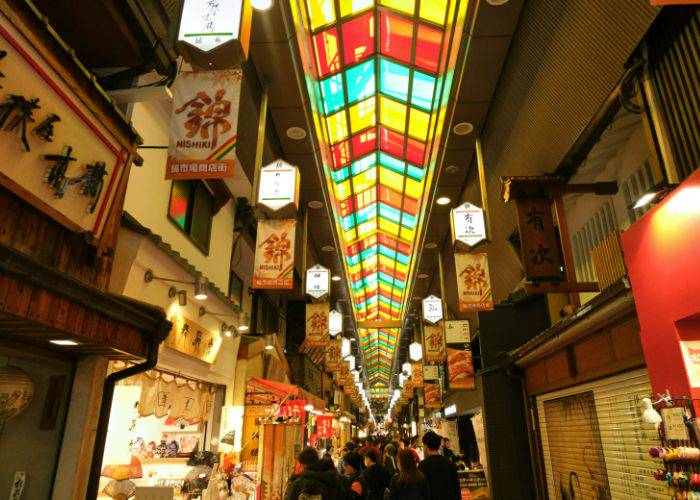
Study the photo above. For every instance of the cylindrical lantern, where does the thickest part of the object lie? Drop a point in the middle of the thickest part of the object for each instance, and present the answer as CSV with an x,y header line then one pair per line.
x,y
406,367
16,392
415,351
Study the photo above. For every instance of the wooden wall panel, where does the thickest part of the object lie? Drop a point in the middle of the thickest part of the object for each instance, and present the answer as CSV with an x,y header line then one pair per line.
x,y
557,366
593,352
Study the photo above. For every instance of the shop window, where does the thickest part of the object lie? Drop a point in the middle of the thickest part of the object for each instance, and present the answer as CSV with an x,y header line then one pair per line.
x,y
191,208
235,290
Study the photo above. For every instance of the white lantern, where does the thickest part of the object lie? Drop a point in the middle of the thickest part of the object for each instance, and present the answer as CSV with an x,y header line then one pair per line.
x,y
345,348
397,394
406,368
415,351
335,322
351,363
402,379
16,392
432,309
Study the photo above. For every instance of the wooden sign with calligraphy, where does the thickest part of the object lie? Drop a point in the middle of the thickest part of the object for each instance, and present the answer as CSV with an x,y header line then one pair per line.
x,y
434,347
332,356
317,325
538,242
192,339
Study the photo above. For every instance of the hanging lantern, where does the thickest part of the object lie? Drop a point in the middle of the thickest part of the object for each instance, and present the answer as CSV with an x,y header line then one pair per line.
x,y
335,323
406,368
16,392
402,379
415,351
351,363
345,348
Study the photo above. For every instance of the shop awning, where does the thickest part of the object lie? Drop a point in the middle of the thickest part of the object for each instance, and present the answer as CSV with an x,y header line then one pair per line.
x,y
39,304
282,390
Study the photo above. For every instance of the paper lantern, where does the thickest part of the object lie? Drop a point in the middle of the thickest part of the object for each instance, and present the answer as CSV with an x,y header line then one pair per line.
x,y
16,392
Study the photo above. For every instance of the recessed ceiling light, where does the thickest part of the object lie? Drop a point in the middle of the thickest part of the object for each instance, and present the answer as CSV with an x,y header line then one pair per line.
x,y
64,342
336,278
443,200
296,133
451,169
422,276
497,2
463,128
430,245
261,4
315,204
328,248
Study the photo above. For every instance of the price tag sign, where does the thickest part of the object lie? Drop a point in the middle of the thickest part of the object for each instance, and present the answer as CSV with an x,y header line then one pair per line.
x,y
468,225
317,281
432,309
674,424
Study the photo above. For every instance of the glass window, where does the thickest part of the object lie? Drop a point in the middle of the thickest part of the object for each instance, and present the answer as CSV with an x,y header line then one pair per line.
x,y
360,81
349,7
191,208
332,90
434,11
327,55
394,79
395,37
364,143
320,12
235,290
428,48
358,38
405,6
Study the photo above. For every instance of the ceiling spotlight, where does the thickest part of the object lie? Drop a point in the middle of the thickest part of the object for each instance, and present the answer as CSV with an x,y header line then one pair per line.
x,y
336,278
261,4
295,133
463,128
496,3
654,195
315,204
328,248
269,341
227,329
443,200
451,169
430,245
64,342
200,288
182,298
243,328
422,276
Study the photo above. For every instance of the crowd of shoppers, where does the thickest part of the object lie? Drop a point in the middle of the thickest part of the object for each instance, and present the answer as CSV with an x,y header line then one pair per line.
x,y
378,469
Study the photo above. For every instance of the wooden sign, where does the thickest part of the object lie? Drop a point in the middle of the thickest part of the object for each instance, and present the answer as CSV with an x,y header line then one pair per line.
x,y
332,356
317,325
457,331
460,369
58,153
417,374
434,348
433,396
473,282
204,125
468,225
274,254
538,243
192,339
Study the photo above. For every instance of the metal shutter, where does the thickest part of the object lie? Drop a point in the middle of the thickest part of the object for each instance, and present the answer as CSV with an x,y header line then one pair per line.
x,y
594,443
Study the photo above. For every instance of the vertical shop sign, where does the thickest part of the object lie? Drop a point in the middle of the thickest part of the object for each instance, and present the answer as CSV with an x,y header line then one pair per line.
x,y
204,125
473,282
332,356
460,369
468,226
433,396
434,347
324,426
318,281
278,187
432,309
317,325
538,242
274,254
417,374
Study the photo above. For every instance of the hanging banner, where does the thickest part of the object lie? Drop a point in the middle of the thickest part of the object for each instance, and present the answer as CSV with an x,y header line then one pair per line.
x,y
318,281
460,369
332,356
538,243
324,426
457,331
431,372
432,309
317,325
473,282
434,348
407,391
278,188
468,226
204,125
274,254
417,374
433,398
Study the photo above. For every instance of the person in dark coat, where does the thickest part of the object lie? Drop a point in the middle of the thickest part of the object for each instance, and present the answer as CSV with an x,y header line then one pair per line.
x,y
390,464
316,479
376,479
352,462
409,483
440,472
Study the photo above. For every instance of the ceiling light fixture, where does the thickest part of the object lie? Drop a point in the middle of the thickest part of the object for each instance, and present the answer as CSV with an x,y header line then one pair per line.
x,y
200,288
430,245
269,341
64,342
654,195
261,4
296,133
336,278
463,128
496,3
328,248
315,204
422,276
243,328
451,169
443,200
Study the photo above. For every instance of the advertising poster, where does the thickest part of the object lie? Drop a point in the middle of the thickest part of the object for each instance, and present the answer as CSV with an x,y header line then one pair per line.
x,y
434,347
317,325
457,331
417,374
433,396
460,369
473,282
204,125
332,356
274,254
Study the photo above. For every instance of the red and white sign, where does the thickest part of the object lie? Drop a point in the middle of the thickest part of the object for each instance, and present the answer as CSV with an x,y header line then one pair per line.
x,y
204,125
274,254
434,347
473,282
460,369
433,396
324,426
317,325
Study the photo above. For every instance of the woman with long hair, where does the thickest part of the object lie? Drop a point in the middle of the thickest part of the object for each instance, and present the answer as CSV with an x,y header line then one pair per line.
x,y
390,459
409,483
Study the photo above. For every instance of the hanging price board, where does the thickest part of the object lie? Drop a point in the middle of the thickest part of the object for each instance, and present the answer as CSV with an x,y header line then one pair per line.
x,y
468,225
278,189
432,309
318,281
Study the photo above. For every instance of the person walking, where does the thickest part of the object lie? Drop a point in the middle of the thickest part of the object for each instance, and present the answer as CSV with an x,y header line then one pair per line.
x,y
352,462
375,478
409,483
440,472
390,465
316,480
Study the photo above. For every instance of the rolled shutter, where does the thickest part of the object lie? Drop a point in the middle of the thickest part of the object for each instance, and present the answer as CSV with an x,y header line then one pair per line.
x,y
594,443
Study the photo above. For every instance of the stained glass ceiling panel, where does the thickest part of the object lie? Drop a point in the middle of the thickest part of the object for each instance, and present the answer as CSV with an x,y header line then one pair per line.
x,y
378,75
